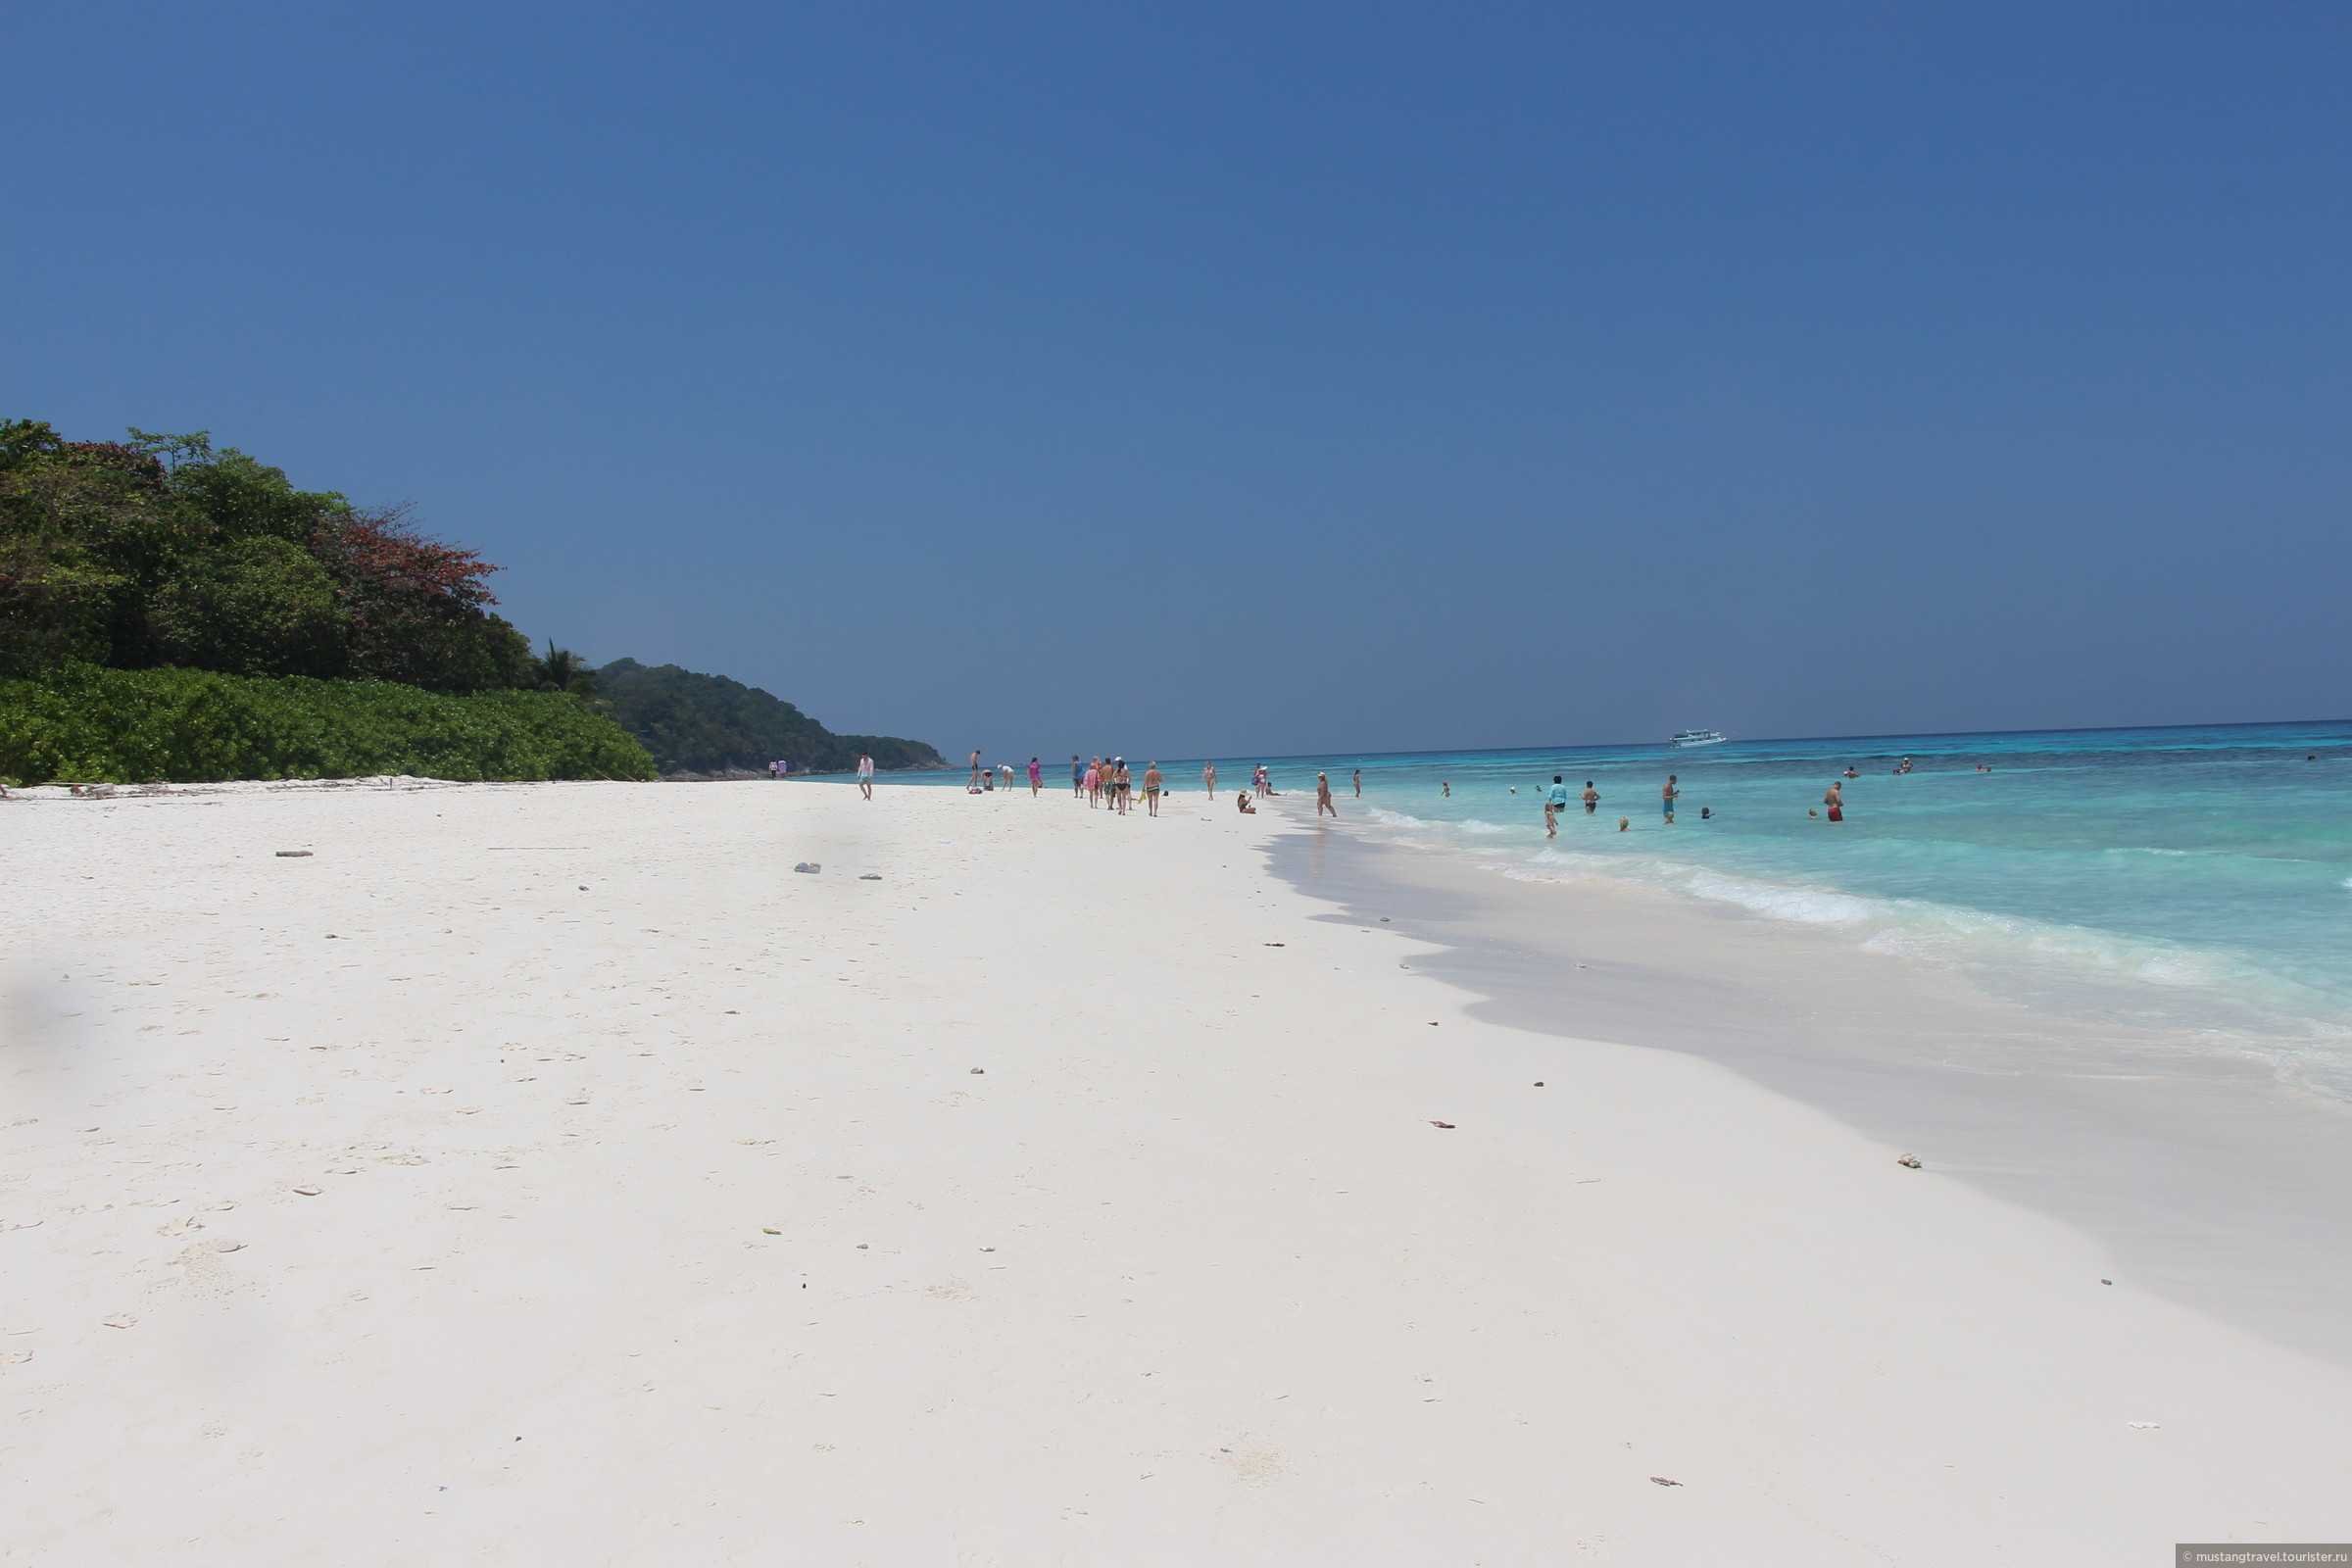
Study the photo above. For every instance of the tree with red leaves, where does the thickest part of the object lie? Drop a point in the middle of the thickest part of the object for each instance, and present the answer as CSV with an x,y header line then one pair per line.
x,y
417,609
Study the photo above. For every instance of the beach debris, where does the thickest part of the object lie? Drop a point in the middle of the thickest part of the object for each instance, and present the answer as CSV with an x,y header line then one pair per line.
x,y
306,1192
808,866
120,1320
769,1230
584,887
862,1247
2143,1426
1441,1126
15,1357
1909,1162
1538,1082
979,1072
224,1245
1277,943
1661,1480
293,854
871,876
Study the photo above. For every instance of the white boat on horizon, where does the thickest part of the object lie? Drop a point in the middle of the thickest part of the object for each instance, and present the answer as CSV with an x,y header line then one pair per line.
x,y
1698,737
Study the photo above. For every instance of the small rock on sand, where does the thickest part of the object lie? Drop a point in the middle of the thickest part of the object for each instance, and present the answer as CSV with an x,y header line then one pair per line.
x,y
808,866
979,1071
293,854
224,1245
1909,1161
1444,1126
120,1320
306,1192
1661,1480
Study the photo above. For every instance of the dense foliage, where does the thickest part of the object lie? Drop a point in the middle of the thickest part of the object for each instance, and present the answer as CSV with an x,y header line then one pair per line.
x,y
161,550
697,723
139,578
79,722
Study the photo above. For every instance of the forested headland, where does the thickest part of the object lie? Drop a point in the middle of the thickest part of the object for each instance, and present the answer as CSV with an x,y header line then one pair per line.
x,y
694,723
172,611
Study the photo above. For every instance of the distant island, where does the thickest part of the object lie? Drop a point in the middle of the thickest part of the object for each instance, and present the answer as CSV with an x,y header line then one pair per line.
x,y
709,725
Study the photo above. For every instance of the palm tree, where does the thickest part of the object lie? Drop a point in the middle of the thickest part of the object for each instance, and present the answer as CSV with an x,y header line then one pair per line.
x,y
563,671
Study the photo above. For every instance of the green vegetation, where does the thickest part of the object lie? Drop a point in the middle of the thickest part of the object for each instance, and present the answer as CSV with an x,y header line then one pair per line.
x,y
697,723
83,722
168,611
159,551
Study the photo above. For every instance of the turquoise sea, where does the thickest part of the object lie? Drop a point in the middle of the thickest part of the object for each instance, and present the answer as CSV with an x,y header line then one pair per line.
x,y
2196,877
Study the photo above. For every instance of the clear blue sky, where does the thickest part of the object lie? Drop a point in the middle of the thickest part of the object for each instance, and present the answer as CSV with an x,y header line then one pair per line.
x,y
1262,379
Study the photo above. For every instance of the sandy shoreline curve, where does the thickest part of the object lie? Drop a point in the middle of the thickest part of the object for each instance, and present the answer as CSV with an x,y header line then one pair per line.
x,y
549,1173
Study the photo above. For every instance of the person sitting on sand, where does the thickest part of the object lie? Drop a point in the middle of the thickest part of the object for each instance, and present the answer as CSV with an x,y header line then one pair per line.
x,y
1240,801
1592,798
1323,797
1152,784
988,780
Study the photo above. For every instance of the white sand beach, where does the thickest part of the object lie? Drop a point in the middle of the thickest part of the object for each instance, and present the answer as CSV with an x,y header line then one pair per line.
x,y
550,1174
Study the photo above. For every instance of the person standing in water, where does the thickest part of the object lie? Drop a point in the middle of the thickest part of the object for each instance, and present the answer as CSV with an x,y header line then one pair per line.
x,y
1592,798
1835,799
1359,783
1208,776
1555,801
1323,797
1670,793
1151,785
1446,788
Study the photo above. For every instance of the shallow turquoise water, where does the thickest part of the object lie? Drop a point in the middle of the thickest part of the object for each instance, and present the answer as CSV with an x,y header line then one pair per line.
x,y
2208,871
2198,876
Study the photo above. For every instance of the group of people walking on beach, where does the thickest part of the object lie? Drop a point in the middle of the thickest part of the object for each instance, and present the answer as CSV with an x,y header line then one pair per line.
x,y
1110,786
